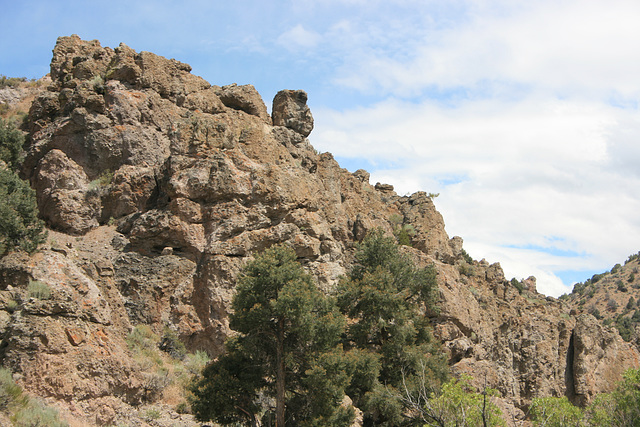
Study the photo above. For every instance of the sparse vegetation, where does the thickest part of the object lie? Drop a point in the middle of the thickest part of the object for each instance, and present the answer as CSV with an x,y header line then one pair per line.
x,y
39,290
165,377
466,269
11,81
23,410
621,407
517,284
103,181
466,257
171,344
403,232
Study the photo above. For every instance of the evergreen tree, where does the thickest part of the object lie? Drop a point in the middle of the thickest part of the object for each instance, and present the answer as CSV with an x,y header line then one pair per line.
x,y
11,142
385,297
19,223
287,350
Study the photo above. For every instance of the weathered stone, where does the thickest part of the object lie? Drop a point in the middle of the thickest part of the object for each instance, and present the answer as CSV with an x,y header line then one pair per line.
x,y
290,110
244,98
64,196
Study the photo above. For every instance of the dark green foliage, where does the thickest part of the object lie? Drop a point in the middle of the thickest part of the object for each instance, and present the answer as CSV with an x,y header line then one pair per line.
x,y
19,223
620,408
385,298
621,287
170,343
518,285
632,257
467,257
631,303
11,142
625,327
11,81
289,334
227,390
404,235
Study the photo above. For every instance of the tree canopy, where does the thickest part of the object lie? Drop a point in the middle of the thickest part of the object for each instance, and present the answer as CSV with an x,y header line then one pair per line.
x,y
19,223
286,352
385,297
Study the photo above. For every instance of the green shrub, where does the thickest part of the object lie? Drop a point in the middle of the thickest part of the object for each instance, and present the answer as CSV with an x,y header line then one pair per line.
x,y
141,338
621,287
170,343
38,290
26,412
36,414
103,181
11,81
195,362
11,142
631,303
152,414
404,234
11,306
460,404
183,408
555,411
20,226
10,392
466,269
616,268
518,285
466,257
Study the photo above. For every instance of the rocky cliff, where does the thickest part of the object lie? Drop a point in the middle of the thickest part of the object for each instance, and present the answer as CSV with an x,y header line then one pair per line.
x,y
158,187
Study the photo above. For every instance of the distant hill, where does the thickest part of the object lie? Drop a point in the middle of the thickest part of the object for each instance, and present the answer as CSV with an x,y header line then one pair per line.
x,y
612,297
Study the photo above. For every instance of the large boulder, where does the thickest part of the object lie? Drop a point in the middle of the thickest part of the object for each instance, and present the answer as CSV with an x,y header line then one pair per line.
x,y
290,110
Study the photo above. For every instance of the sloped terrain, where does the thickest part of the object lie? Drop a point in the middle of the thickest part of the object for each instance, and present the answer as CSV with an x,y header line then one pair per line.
x,y
612,297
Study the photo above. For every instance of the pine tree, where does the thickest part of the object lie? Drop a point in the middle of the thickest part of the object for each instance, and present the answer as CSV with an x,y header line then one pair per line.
x,y
287,350
19,223
385,297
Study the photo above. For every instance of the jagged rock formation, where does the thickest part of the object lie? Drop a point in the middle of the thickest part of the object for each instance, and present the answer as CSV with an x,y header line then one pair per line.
x,y
197,178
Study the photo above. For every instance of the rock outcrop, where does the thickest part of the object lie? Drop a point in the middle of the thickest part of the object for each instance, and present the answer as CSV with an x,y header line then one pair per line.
x,y
159,187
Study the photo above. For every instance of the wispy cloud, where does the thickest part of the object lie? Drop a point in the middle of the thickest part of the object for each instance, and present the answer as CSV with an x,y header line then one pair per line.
x,y
298,37
536,184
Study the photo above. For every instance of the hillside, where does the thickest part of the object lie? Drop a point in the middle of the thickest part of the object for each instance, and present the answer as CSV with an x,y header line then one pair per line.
x,y
612,297
158,186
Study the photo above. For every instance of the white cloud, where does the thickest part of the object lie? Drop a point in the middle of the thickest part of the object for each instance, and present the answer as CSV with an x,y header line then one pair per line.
x,y
523,116
565,46
541,175
298,37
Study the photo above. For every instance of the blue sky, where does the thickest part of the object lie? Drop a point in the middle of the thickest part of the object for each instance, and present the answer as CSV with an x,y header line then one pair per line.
x,y
522,115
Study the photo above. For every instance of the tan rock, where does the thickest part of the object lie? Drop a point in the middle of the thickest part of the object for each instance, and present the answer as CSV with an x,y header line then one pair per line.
x,y
290,110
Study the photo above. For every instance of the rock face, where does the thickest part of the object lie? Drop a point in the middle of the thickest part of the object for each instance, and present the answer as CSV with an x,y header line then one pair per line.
x,y
160,187
290,110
